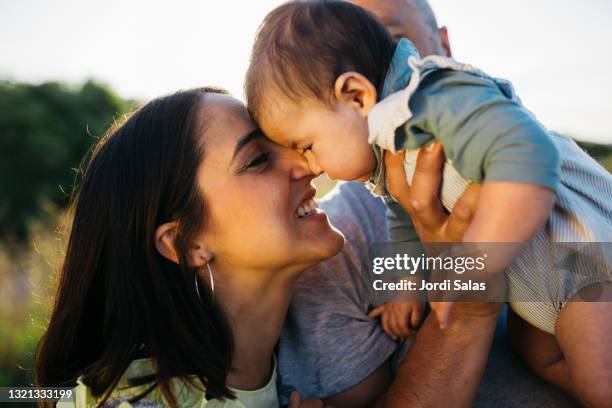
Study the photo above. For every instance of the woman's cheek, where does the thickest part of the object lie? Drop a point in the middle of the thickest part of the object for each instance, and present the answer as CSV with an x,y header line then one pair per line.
x,y
266,199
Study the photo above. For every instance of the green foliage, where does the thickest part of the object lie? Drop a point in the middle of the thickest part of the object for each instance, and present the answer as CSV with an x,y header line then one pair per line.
x,y
601,153
45,131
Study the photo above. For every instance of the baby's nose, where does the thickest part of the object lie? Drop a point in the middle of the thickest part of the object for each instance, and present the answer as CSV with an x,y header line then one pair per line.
x,y
312,163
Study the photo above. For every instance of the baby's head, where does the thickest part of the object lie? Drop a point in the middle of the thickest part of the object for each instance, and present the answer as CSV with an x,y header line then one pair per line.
x,y
316,70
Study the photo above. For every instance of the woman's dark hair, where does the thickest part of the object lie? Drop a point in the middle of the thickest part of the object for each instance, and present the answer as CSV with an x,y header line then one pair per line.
x,y
118,298
303,46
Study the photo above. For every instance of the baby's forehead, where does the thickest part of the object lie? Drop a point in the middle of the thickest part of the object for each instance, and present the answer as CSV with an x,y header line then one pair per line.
x,y
276,114
282,135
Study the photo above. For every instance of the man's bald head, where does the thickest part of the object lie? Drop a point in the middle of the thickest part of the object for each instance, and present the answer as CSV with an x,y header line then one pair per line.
x,y
424,10
411,19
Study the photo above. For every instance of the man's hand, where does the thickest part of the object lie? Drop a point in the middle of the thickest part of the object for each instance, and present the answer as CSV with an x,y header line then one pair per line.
x,y
421,201
432,223
442,311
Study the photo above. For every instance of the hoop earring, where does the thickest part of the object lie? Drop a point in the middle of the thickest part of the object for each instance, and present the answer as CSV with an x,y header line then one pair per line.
x,y
212,282
195,279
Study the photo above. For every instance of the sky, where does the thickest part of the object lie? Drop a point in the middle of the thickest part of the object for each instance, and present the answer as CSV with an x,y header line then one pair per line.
x,y
557,53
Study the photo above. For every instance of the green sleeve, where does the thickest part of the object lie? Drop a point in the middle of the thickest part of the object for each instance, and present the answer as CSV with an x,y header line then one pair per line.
x,y
486,134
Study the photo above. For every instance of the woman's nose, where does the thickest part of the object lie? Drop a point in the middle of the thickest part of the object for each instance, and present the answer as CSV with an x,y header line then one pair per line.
x,y
312,163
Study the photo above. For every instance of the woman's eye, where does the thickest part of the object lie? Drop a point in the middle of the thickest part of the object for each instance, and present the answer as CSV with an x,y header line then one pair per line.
x,y
304,150
262,158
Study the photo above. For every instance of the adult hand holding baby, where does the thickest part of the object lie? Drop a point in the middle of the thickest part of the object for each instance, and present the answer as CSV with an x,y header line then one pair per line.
x,y
432,223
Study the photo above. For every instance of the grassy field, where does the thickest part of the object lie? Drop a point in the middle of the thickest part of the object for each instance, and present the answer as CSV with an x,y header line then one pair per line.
x,y
26,291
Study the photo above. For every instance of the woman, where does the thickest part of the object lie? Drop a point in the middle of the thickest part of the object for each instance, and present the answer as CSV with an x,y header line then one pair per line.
x,y
189,231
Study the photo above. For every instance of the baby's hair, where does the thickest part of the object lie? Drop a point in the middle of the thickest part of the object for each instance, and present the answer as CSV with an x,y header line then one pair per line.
x,y
303,46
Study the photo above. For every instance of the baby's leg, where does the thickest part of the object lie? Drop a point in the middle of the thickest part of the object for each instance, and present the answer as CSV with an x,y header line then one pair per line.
x,y
540,351
583,331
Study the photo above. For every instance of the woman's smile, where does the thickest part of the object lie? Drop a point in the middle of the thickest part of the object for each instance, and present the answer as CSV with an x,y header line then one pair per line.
x,y
308,207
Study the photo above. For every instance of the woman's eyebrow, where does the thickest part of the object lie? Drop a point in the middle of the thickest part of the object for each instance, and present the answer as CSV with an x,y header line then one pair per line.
x,y
246,139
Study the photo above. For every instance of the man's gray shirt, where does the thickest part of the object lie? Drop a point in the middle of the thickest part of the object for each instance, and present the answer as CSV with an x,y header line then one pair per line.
x,y
328,343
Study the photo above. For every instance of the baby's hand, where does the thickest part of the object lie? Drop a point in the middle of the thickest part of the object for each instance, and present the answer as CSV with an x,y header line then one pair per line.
x,y
399,319
442,312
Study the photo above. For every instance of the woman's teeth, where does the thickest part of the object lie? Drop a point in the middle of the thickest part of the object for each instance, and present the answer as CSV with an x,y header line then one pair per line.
x,y
308,208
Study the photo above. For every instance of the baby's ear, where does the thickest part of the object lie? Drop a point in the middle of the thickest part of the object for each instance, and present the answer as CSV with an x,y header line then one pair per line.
x,y
354,88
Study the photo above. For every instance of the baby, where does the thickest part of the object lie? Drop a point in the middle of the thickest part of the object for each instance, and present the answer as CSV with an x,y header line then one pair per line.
x,y
327,80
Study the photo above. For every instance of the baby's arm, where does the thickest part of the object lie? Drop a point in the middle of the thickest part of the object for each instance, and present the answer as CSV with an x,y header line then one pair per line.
x,y
504,205
506,212
399,319
509,212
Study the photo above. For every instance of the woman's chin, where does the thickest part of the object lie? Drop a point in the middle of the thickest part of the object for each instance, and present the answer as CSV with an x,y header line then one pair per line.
x,y
330,245
338,243
324,247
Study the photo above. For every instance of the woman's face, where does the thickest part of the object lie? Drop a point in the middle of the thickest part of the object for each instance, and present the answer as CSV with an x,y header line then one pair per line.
x,y
254,190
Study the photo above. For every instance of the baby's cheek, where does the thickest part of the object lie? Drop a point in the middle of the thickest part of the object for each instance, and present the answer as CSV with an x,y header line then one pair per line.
x,y
370,156
345,162
341,169
367,159
340,159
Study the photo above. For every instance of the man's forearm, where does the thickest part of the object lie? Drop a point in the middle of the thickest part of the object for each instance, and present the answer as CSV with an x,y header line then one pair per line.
x,y
444,367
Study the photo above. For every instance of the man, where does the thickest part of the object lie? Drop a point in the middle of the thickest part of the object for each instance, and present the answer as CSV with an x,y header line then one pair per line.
x,y
415,20
329,347
412,19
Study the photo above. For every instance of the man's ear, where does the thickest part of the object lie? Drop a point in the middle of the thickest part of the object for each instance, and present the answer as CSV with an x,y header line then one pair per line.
x,y
165,239
354,88
444,41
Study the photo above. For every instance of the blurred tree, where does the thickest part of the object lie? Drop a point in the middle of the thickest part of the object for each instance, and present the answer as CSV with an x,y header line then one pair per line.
x,y
45,131
600,152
